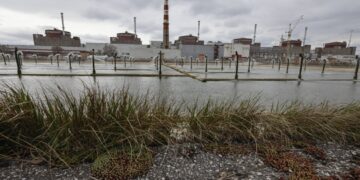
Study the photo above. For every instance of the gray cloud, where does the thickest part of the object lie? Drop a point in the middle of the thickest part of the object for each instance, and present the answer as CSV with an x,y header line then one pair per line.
x,y
328,20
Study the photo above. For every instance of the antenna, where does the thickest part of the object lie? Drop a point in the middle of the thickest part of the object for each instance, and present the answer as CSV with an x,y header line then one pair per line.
x,y
255,34
351,33
63,25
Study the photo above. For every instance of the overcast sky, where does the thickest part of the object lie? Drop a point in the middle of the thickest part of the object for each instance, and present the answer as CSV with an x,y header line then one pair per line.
x,y
223,20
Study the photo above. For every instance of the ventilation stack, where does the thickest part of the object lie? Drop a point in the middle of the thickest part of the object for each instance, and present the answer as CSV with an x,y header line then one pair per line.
x,y
166,25
198,30
135,26
255,30
63,24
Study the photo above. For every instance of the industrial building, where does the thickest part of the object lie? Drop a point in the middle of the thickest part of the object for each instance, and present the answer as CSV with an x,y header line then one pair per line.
x,y
268,54
125,38
292,43
188,40
245,41
56,37
335,48
139,52
44,51
336,52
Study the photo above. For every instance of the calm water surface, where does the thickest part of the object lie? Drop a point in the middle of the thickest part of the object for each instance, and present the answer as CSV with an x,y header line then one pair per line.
x,y
189,90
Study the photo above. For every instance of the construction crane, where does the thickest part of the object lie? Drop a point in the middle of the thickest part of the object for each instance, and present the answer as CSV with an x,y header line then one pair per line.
x,y
291,29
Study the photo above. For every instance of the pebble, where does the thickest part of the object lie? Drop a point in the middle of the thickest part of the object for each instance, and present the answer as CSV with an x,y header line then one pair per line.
x,y
168,164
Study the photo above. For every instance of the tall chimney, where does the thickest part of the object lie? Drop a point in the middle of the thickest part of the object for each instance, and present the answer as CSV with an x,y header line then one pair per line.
x,y
255,29
198,30
135,26
63,25
166,25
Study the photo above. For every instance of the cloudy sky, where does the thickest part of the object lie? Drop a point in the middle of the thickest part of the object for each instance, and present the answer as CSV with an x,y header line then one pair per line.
x,y
223,20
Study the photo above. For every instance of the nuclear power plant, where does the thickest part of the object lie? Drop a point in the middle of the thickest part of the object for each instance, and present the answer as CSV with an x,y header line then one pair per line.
x,y
56,37
188,45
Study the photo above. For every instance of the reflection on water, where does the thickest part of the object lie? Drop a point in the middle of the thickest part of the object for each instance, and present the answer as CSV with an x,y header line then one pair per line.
x,y
190,90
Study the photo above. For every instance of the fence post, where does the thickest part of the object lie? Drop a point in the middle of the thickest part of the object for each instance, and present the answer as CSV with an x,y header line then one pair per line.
x,y
191,62
279,63
57,60
249,64
287,65
125,61
357,68
324,65
301,66
36,59
157,62
115,61
273,63
206,64
3,56
222,63
305,62
17,62
70,58
51,59
93,62
237,65
160,63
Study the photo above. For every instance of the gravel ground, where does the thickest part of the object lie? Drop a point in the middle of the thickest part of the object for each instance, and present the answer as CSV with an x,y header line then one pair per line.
x,y
191,162
179,162
25,171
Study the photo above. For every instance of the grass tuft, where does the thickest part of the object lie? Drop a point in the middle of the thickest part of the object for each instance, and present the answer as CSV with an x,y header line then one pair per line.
x,y
66,129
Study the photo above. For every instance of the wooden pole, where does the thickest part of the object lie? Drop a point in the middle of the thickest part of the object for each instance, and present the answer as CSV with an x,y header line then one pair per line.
x,y
301,66
17,62
324,65
237,66
160,63
357,68
70,57
206,64
93,62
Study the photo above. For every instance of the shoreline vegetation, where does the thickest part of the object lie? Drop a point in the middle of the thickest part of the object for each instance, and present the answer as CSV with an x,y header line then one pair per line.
x,y
118,131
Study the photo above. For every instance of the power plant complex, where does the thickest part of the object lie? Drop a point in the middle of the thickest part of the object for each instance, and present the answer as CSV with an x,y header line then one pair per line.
x,y
187,45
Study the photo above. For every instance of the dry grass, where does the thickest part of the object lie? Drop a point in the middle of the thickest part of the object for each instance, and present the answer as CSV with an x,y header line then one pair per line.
x,y
65,129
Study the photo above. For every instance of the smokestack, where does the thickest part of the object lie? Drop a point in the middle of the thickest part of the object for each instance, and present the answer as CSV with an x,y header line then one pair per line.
x,y
63,25
166,25
135,26
255,34
305,35
198,30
